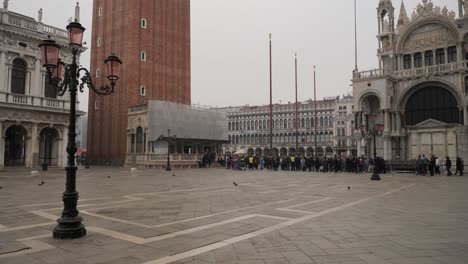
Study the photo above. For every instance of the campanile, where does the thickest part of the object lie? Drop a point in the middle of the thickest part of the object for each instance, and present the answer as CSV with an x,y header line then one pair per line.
x,y
152,37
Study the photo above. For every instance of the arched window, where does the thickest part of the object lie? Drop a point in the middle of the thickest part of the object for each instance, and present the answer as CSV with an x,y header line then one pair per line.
x,y
431,102
406,62
100,11
429,58
321,121
98,73
452,54
142,90
440,56
325,121
143,56
237,126
418,60
229,126
18,77
143,23
99,42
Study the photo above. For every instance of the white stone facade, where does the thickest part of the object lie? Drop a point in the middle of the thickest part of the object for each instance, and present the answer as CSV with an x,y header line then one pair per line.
x,y
249,128
33,120
419,92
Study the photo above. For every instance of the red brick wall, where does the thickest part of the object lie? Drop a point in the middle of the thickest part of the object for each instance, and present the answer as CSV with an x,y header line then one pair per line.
x,y
165,73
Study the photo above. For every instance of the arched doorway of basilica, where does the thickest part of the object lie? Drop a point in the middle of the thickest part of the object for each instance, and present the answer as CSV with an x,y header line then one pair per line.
x,y
431,118
15,146
48,146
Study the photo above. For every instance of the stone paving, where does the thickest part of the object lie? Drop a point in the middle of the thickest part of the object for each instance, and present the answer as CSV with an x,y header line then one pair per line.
x,y
199,216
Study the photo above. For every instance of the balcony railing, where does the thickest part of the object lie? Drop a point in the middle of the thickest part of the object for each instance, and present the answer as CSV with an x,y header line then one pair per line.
x,y
432,70
35,101
370,74
415,72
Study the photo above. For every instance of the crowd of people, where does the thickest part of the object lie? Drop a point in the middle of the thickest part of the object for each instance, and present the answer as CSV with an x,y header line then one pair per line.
x,y
351,164
293,162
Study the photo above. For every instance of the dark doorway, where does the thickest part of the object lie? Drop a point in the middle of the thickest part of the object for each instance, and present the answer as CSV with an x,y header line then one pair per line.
x,y
48,147
15,146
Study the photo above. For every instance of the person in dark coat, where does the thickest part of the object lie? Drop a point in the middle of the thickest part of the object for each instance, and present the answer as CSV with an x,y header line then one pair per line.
x,y
459,166
448,165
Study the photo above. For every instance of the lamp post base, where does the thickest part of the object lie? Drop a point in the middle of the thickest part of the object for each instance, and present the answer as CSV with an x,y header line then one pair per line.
x,y
375,177
69,228
168,168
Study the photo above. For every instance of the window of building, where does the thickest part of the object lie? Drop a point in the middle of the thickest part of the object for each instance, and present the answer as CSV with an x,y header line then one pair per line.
x,y
429,58
98,73
142,90
143,23
100,11
452,54
418,60
18,77
143,56
49,89
99,42
440,56
407,61
96,105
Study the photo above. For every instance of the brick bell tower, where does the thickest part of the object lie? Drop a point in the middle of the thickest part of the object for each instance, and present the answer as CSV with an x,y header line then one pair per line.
x,y
152,37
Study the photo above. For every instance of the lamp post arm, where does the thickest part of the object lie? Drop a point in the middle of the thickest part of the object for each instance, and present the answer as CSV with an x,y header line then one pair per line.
x,y
86,79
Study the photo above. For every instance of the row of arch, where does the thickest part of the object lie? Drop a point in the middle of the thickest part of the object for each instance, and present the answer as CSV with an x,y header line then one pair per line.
x,y
15,150
280,138
305,151
279,123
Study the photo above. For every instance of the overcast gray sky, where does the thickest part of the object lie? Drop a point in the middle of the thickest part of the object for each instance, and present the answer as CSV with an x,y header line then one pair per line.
x,y
230,61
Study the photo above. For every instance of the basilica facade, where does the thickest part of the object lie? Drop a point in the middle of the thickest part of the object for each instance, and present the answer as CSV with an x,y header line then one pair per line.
x,y
33,119
419,92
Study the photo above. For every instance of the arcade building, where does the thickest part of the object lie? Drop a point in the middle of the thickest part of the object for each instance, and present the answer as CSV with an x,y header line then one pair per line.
x,y
419,92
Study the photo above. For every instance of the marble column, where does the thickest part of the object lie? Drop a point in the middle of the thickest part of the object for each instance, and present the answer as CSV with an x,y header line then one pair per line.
x,y
386,121
398,122
64,153
460,55
2,146
34,146
465,116
37,86
3,82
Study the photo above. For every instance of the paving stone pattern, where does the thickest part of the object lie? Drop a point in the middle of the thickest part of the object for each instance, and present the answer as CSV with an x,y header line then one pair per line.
x,y
199,216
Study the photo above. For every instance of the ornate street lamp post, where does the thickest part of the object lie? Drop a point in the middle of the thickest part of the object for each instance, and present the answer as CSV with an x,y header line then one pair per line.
x,y
374,131
169,139
66,77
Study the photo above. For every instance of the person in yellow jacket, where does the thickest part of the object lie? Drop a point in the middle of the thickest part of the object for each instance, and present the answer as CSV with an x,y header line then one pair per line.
x,y
251,162
293,163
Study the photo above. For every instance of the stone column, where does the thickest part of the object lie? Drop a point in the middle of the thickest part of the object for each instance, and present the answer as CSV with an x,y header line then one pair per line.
x,y
460,55
412,61
445,55
64,153
386,121
465,116
460,115
2,147
398,122
37,87
3,82
34,147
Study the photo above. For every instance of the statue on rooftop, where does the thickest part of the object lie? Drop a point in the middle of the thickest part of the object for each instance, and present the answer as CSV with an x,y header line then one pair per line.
x,y
5,4
39,16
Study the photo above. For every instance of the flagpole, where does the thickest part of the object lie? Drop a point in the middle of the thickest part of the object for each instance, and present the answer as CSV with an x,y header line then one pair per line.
x,y
315,113
271,102
297,120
